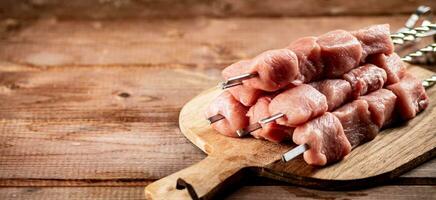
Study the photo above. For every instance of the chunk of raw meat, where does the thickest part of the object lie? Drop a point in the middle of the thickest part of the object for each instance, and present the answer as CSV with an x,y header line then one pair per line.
x,y
275,68
340,52
375,39
381,106
298,104
365,79
326,140
411,96
233,112
243,93
392,64
337,91
309,59
270,131
356,122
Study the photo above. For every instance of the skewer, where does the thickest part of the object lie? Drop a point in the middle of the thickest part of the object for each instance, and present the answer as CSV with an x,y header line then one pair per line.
x,y
427,29
426,83
237,80
300,149
421,53
258,125
215,118
253,127
421,12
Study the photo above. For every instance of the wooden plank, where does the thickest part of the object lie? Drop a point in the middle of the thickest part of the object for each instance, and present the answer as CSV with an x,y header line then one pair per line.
x,y
95,193
200,42
290,192
95,123
248,192
216,8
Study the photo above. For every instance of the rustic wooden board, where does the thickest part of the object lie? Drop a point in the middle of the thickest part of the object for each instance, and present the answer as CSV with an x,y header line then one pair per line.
x,y
393,152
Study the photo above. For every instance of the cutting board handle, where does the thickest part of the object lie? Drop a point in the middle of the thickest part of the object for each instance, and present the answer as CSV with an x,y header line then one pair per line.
x,y
206,177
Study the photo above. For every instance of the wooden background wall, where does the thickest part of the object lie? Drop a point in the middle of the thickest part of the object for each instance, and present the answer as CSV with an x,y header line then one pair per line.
x,y
103,9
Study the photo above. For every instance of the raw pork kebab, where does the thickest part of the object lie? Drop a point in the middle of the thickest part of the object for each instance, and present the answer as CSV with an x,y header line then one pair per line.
x,y
325,73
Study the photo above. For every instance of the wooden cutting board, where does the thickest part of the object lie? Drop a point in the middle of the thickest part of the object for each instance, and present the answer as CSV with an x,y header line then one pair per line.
x,y
393,152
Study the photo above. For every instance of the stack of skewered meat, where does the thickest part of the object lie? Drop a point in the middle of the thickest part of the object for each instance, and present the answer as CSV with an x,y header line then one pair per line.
x,y
329,93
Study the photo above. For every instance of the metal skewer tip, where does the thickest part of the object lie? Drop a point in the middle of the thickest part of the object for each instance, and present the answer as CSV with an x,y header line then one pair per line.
x,y
215,118
237,80
300,149
251,128
429,82
258,125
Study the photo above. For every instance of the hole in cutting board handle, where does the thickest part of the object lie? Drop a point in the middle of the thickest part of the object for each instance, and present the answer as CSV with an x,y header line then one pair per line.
x,y
182,184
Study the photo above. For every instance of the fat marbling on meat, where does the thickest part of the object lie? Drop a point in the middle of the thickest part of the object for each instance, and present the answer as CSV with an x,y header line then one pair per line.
x,y
365,79
392,64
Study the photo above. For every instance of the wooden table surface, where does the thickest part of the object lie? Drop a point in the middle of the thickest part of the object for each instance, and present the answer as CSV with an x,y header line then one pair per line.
x,y
90,107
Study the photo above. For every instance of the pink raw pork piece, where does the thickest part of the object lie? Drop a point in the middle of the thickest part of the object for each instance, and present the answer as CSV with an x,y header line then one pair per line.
x,y
375,39
411,96
233,111
337,91
392,64
381,106
309,59
276,69
340,52
298,104
365,79
244,94
326,140
356,122
270,131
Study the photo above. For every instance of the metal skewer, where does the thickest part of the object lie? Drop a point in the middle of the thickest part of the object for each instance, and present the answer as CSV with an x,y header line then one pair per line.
x,y
421,56
300,149
256,126
399,38
421,12
237,80
215,118
427,29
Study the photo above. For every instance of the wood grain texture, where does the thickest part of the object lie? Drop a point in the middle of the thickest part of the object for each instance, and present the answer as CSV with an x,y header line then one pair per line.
x,y
393,152
199,42
289,192
247,192
96,102
109,9
111,123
